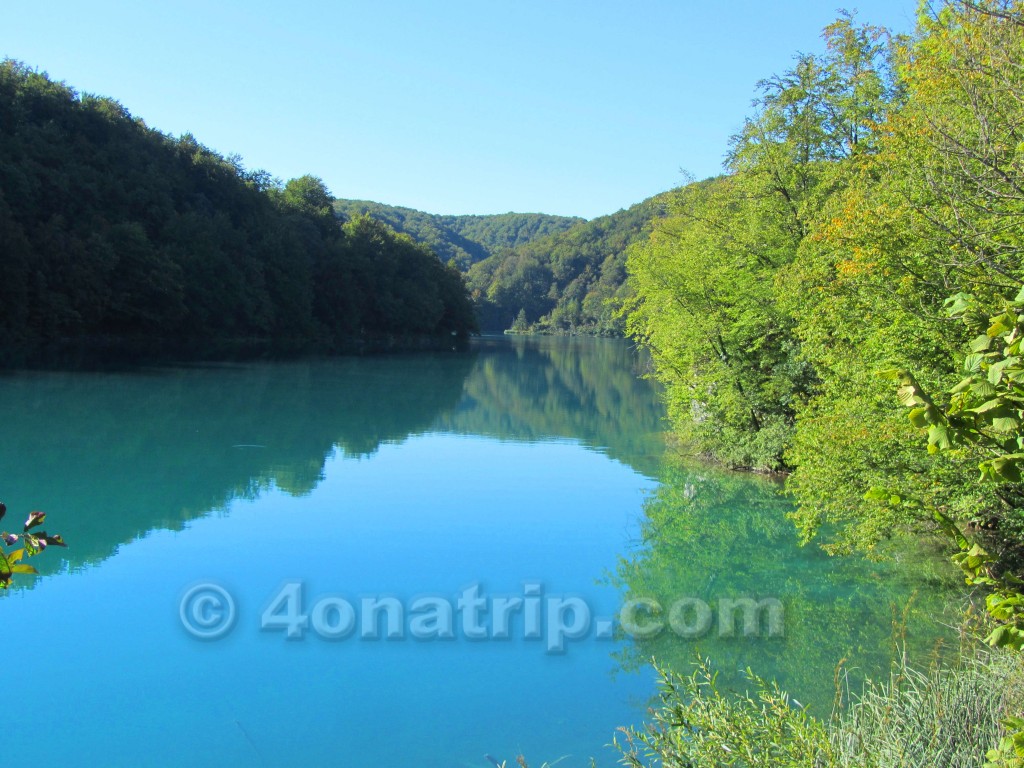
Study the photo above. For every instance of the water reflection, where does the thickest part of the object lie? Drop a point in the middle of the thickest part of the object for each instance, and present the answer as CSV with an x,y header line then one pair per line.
x,y
589,390
414,473
113,455
712,536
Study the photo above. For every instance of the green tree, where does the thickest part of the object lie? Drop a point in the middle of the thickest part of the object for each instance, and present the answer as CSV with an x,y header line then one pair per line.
x,y
932,212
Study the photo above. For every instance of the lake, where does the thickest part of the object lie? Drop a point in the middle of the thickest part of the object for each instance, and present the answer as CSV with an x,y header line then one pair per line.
x,y
403,560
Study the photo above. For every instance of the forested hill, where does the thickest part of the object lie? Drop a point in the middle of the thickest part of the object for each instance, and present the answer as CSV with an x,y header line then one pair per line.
x,y
569,282
463,240
112,232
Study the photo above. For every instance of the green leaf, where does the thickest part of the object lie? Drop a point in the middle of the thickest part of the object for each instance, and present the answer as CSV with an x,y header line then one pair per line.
x,y
22,568
981,344
999,637
972,363
1020,296
958,304
919,417
908,395
1001,324
982,388
1006,468
938,438
962,386
950,529
990,405
1005,423
995,371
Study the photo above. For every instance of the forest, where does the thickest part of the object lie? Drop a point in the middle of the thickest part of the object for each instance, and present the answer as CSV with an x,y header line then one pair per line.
x,y
844,306
460,240
117,235
532,273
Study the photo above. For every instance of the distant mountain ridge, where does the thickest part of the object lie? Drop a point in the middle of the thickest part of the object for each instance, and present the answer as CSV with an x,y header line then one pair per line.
x,y
570,282
463,240
531,272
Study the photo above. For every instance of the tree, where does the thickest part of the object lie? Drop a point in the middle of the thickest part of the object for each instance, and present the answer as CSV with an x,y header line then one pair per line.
x,y
934,210
713,295
309,195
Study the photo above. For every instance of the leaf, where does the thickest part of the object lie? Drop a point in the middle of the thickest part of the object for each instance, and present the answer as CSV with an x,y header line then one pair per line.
x,y
1001,324
990,405
22,568
958,304
972,363
908,395
981,344
999,637
1005,423
34,519
1007,468
962,386
938,438
982,388
919,417
995,371
950,529
1020,296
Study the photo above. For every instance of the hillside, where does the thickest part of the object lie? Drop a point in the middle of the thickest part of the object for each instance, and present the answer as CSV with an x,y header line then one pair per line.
x,y
568,282
463,240
116,234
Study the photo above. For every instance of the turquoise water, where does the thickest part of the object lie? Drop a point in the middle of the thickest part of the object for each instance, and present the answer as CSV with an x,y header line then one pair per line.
x,y
528,471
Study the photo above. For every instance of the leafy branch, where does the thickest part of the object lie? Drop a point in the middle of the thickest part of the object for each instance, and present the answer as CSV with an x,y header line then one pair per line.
x,y
985,409
32,543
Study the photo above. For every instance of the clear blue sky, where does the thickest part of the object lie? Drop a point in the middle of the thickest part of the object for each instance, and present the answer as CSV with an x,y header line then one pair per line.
x,y
577,107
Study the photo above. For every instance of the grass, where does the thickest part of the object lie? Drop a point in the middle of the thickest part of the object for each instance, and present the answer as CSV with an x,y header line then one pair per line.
x,y
944,715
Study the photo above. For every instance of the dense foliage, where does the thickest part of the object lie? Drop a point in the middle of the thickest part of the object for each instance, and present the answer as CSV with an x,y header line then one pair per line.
x,y
567,283
874,182
862,255
532,273
460,240
710,301
113,231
